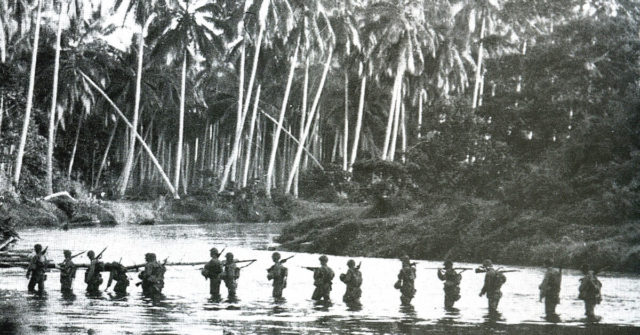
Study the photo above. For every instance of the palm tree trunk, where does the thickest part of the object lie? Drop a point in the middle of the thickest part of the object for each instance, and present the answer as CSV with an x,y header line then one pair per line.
x,y
103,162
252,127
3,59
476,89
397,85
303,119
75,147
128,165
52,112
345,146
312,111
396,124
27,113
142,142
403,132
176,176
356,134
276,136
420,116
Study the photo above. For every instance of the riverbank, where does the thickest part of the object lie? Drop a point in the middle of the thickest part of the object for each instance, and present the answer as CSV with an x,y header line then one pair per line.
x,y
468,230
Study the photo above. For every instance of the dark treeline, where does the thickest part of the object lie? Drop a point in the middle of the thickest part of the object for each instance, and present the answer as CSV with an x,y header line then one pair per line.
x,y
533,104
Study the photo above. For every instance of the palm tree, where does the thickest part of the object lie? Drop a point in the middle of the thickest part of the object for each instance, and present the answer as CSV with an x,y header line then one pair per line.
x,y
188,36
27,113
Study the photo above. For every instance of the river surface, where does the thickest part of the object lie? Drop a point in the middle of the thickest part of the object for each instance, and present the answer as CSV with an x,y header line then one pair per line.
x,y
187,309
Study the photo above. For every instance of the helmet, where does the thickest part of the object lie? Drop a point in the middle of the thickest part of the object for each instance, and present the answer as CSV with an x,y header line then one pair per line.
x,y
229,255
448,264
548,262
275,256
214,251
405,259
487,263
585,268
150,257
67,253
37,248
351,263
323,259
91,254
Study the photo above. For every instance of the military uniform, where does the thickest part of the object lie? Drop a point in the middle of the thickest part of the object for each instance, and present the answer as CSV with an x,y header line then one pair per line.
x,y
213,271
67,273
353,280
230,275
118,273
152,276
550,290
451,288
322,280
406,279
589,291
493,281
36,272
278,273
92,276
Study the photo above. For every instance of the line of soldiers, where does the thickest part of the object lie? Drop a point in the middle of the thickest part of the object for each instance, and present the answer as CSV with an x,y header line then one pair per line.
x,y
228,271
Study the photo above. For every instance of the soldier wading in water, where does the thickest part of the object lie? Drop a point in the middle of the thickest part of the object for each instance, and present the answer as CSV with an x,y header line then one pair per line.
x,y
493,281
36,272
353,280
278,273
230,276
550,289
451,280
213,271
322,278
67,273
152,276
92,276
406,279
118,273
589,291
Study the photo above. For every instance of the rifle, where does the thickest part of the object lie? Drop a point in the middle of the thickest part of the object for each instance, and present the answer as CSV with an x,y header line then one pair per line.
x,y
601,269
358,267
101,252
44,251
78,254
463,269
286,259
240,261
311,268
251,262
483,270
221,251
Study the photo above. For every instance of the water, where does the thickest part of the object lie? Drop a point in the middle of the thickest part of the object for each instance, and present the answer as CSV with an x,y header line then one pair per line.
x,y
186,308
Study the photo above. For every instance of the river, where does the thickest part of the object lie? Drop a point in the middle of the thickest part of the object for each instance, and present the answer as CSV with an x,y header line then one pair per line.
x,y
186,308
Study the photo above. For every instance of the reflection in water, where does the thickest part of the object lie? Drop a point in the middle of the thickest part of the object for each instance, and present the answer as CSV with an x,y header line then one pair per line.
x,y
186,308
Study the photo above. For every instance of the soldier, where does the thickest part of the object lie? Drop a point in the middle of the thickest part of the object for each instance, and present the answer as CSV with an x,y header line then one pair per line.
x,y
493,281
152,276
67,273
451,280
230,276
213,271
278,273
118,273
353,280
322,278
550,289
93,277
36,272
406,279
589,291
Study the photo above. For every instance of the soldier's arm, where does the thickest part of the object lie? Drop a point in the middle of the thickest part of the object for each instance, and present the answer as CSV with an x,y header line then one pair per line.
x,y
485,286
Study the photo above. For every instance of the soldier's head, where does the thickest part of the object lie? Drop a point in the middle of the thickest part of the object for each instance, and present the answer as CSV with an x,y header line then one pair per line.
x,y
448,264
585,268
487,263
323,259
91,254
275,256
214,252
405,260
351,263
150,257
548,262
37,248
229,256
67,253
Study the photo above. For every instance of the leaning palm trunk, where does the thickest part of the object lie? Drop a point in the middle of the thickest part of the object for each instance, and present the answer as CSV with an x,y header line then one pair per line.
x,y
396,123
75,147
303,117
103,162
345,147
142,142
52,112
310,117
356,134
252,127
392,108
27,113
126,172
176,176
476,88
283,109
